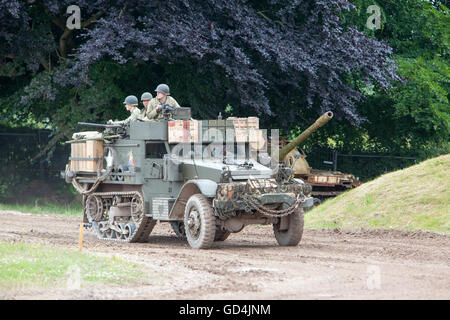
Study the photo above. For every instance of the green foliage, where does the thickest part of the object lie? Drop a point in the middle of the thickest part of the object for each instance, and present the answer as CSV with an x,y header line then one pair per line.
x,y
414,114
412,117
229,109
412,27
424,98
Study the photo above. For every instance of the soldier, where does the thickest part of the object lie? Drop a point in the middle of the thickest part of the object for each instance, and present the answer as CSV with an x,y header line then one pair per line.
x,y
130,103
162,97
145,99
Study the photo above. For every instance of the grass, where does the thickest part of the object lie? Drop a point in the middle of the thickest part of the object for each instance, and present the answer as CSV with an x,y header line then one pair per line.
x,y
27,265
415,198
74,209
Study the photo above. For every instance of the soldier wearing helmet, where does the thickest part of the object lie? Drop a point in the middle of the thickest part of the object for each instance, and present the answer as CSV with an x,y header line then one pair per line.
x,y
145,99
130,103
162,97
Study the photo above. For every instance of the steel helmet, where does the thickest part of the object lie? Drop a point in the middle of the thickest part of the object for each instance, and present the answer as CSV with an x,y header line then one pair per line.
x,y
163,88
133,100
146,96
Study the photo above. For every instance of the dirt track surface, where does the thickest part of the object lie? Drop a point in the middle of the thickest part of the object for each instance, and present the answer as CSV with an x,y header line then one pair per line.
x,y
328,264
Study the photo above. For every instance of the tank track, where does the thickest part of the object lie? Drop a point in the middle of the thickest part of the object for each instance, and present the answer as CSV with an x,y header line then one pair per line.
x,y
141,229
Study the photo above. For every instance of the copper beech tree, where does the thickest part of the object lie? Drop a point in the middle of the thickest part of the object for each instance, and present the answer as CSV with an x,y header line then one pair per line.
x,y
272,58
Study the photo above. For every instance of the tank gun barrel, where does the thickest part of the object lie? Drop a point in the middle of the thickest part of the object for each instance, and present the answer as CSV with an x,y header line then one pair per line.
x,y
305,134
100,125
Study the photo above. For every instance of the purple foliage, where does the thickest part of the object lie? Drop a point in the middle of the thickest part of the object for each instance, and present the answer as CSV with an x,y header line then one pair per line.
x,y
302,42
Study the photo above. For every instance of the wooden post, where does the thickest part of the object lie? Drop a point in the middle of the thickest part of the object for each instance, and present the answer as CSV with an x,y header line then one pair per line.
x,y
80,237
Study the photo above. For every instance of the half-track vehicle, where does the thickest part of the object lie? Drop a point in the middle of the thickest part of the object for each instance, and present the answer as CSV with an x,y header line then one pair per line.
x,y
181,171
325,183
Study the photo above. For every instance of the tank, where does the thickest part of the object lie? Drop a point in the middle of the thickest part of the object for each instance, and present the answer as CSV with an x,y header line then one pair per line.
x,y
131,176
325,184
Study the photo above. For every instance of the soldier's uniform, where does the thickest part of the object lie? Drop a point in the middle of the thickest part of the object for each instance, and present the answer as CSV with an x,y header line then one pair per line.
x,y
135,116
143,115
151,113
135,112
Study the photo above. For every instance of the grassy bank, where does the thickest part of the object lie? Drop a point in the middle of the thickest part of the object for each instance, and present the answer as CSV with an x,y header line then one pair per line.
x,y
415,198
27,265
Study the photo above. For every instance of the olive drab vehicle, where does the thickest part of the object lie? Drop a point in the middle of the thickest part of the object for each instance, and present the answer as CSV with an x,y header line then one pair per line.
x,y
133,175
325,184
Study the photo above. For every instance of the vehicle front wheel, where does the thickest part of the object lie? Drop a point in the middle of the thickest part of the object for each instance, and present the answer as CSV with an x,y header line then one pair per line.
x,y
199,222
289,232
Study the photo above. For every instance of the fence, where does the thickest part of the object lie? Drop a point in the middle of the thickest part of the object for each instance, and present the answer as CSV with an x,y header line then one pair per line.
x,y
18,166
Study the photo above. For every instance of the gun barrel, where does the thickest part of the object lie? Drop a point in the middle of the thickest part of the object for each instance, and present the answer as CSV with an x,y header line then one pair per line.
x,y
305,134
99,125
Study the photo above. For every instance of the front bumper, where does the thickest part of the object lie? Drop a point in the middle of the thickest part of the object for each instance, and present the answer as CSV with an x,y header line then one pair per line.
x,y
264,199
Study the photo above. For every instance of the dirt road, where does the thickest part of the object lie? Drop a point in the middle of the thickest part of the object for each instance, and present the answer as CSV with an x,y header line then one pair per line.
x,y
328,264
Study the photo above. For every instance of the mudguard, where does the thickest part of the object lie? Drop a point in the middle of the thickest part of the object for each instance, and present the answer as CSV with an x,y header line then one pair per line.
x,y
204,186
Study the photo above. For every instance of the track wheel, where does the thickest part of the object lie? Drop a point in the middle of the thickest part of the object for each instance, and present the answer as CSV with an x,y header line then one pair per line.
x,y
111,234
289,230
102,228
130,228
123,234
199,221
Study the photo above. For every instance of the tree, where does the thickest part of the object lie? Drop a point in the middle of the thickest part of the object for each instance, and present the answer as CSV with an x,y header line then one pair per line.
x,y
413,116
272,57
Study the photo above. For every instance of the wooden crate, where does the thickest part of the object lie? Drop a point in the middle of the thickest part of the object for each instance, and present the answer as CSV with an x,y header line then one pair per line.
x,y
85,155
183,131
245,129
240,129
253,122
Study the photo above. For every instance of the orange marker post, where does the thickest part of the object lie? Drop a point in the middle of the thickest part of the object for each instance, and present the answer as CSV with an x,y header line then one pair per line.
x,y
80,237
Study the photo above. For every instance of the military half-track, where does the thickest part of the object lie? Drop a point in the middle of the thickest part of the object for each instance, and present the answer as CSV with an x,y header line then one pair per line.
x,y
198,175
